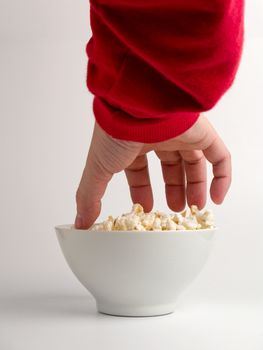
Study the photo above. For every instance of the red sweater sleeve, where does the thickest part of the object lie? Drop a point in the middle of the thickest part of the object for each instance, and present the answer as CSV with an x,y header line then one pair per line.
x,y
154,65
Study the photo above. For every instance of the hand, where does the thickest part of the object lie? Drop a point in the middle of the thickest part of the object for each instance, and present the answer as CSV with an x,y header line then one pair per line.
x,y
183,161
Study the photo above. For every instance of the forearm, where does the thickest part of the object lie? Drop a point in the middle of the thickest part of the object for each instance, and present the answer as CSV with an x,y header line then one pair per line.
x,y
155,65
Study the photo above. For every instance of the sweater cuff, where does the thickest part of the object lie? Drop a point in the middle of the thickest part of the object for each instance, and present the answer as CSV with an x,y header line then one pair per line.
x,y
124,126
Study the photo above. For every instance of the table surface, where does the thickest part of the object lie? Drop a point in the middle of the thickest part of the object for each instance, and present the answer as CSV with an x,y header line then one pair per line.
x,y
50,320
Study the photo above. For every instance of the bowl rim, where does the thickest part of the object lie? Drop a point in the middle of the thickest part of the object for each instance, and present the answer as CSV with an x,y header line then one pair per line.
x,y
71,228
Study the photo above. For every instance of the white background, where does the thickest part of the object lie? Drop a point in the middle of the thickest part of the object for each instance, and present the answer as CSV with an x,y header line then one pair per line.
x,y
46,124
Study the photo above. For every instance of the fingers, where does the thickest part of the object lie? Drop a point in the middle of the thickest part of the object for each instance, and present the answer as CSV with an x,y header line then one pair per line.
x,y
195,170
202,137
139,181
174,178
106,157
91,189
219,156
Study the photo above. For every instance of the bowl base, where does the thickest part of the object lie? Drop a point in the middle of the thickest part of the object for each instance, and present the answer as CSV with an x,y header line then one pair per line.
x,y
135,311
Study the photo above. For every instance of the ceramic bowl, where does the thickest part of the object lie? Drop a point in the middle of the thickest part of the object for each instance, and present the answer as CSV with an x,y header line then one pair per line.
x,y
135,273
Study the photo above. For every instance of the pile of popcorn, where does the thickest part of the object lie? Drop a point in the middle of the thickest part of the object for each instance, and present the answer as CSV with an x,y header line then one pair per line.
x,y
189,219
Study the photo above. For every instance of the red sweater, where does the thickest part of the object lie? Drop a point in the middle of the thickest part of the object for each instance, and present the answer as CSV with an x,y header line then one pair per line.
x,y
154,65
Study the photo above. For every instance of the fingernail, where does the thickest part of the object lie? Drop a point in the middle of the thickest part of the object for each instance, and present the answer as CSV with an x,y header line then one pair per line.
x,y
78,221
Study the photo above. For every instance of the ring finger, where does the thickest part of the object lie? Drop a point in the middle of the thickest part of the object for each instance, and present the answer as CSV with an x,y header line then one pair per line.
x,y
195,170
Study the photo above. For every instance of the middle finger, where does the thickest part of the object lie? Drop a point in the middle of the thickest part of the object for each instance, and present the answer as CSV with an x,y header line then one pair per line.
x,y
174,178
138,178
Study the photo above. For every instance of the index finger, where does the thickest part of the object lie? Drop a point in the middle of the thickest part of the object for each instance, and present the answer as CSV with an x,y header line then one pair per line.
x,y
217,154
91,189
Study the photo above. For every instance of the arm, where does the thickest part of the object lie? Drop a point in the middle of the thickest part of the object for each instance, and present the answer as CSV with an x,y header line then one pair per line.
x,y
155,65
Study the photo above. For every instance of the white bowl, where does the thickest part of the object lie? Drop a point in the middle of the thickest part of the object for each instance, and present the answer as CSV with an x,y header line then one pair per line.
x,y
135,273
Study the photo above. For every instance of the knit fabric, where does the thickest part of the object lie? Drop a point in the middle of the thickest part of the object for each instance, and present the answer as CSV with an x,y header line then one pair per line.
x,y
155,65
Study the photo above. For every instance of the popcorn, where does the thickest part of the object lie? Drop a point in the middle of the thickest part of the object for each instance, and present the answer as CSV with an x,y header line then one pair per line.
x,y
190,219
157,224
186,213
148,220
140,227
178,218
108,224
181,227
194,210
137,209
191,224
97,227
207,219
132,221
171,225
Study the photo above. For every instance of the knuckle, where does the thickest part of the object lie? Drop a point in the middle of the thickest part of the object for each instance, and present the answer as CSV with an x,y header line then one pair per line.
x,y
228,156
195,161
